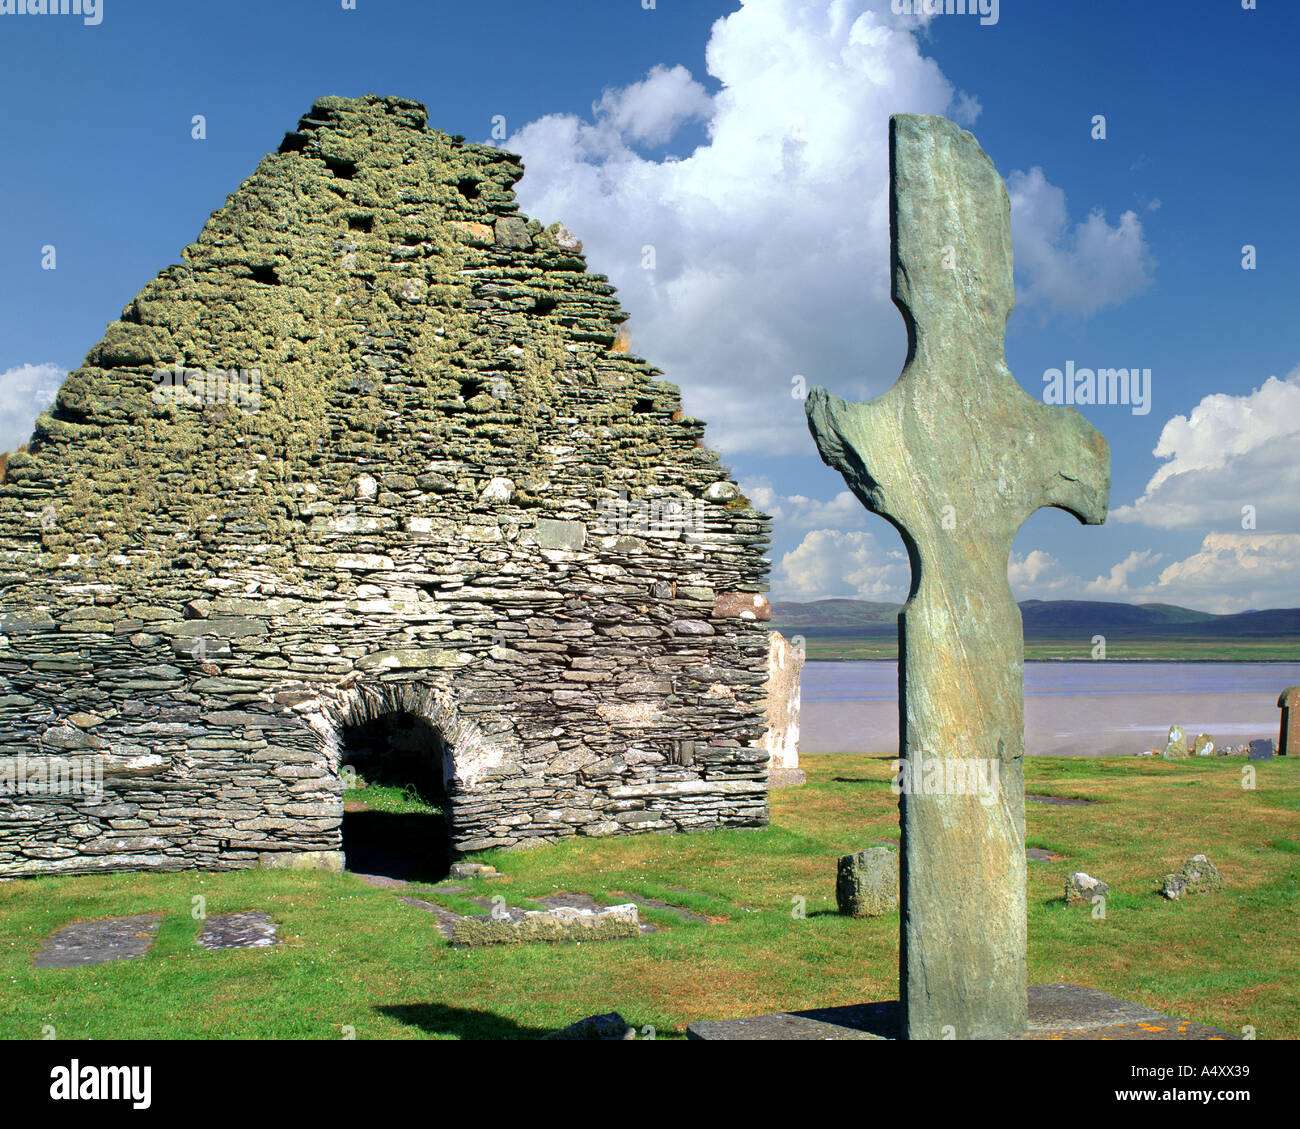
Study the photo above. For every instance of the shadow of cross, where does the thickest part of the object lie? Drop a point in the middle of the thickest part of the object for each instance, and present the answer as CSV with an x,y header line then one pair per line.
x,y
957,456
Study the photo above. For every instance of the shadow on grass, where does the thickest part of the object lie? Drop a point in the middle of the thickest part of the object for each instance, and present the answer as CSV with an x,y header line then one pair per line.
x,y
463,1023
836,913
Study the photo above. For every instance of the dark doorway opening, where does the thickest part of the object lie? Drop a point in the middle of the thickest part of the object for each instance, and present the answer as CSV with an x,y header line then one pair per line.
x,y
395,821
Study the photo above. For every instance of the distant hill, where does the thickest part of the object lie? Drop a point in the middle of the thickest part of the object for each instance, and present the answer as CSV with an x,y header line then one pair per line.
x,y
1048,619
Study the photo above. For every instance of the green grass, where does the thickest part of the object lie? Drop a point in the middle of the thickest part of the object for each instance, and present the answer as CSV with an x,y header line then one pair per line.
x,y
390,799
356,959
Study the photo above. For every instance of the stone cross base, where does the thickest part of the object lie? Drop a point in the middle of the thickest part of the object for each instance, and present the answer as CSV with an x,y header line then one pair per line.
x,y
1056,1011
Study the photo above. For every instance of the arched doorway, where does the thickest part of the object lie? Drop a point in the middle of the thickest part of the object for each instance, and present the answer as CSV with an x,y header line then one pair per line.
x,y
395,815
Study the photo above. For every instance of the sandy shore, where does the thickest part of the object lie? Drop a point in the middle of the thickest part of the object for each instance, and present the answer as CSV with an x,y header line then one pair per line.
x,y
1062,725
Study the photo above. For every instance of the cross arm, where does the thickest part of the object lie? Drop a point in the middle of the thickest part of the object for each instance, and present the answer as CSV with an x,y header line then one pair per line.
x,y
1074,474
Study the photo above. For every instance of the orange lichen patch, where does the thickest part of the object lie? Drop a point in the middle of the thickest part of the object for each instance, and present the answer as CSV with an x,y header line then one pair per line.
x,y
622,341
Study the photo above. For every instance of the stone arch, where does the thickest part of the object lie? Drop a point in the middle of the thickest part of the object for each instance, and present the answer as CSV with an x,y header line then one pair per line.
x,y
355,701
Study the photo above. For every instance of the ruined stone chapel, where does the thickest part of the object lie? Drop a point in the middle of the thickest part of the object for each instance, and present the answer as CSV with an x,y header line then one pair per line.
x,y
370,471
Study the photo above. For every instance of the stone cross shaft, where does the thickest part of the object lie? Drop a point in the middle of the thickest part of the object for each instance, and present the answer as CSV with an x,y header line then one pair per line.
x,y
957,456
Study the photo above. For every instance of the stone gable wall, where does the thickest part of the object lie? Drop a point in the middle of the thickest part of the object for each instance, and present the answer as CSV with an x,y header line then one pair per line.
x,y
443,491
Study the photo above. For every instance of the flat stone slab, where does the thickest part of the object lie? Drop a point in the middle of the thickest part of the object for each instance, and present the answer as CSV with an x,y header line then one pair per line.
x,y
681,911
445,919
510,926
381,880
587,904
856,1021
1056,1011
98,942
568,917
251,929
1059,801
1041,854
786,778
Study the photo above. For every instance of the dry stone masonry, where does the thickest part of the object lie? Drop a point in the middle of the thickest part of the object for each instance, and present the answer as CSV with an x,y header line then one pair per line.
x,y
371,449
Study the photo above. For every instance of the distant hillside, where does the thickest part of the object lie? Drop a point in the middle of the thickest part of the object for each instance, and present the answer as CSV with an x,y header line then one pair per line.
x,y
834,613
1046,619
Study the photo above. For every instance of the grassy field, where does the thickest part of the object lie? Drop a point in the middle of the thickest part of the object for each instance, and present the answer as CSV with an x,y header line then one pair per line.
x,y
356,960
841,648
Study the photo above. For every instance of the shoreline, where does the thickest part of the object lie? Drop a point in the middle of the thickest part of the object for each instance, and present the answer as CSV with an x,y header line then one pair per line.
x,y
1062,725
1091,662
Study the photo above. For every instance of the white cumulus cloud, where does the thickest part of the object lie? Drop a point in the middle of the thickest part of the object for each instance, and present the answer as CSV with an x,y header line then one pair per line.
x,y
762,254
1072,270
829,563
795,511
1035,573
1229,572
1039,575
25,392
1116,582
1229,453
1236,572
653,110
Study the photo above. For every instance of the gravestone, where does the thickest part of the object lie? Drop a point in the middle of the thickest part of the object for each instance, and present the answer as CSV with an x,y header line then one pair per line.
x,y
1198,875
1176,747
957,456
99,942
1289,703
251,929
1261,750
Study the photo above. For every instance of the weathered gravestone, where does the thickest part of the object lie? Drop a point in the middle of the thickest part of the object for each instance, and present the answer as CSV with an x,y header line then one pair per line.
x,y
1261,750
957,456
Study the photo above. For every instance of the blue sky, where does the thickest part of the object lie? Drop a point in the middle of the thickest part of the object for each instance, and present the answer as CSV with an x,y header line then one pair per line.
x,y
744,144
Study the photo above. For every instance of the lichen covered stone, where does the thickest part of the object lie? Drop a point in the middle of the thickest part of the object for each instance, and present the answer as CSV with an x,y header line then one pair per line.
x,y
368,448
866,883
1198,875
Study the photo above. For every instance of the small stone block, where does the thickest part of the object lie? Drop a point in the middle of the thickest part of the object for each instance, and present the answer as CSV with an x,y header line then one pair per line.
x,y
608,1028
1198,875
867,883
786,778
1083,888
302,860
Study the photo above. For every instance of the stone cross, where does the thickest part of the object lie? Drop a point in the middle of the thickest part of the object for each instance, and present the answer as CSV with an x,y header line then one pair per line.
x,y
1288,741
956,456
